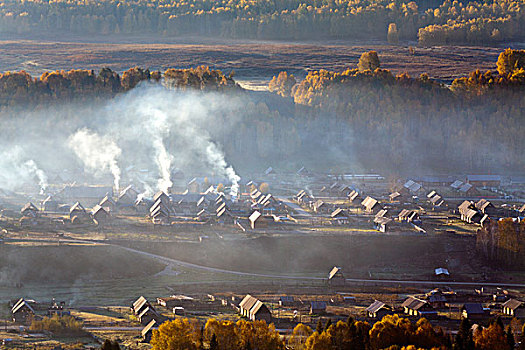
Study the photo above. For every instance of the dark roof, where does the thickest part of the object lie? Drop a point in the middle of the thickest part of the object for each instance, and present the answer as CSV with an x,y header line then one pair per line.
x,y
473,308
318,305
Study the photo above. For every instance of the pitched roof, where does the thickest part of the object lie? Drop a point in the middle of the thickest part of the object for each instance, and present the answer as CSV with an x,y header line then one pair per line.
x,y
150,326
414,303
369,203
28,207
353,195
465,188
255,216
473,308
77,206
318,305
375,306
456,184
335,271
513,304
441,271
248,302
338,212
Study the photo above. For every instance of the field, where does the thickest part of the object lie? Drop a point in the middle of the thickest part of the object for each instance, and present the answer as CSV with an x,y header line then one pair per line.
x,y
254,63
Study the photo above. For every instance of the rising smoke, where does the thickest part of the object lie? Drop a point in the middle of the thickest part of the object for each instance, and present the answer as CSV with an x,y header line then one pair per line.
x,y
150,130
98,153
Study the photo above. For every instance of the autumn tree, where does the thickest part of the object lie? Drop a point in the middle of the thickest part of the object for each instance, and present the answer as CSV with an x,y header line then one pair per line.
x,y
300,334
392,35
178,334
510,60
282,84
368,61
491,338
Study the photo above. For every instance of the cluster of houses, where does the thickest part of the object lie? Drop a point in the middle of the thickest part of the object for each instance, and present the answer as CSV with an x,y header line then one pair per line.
x,y
475,307
23,311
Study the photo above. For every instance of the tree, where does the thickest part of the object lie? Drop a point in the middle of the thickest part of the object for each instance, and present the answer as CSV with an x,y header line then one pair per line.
x,y
510,60
299,336
392,35
282,84
319,328
463,340
178,334
110,345
264,187
510,338
368,61
213,343
491,338
319,341
328,324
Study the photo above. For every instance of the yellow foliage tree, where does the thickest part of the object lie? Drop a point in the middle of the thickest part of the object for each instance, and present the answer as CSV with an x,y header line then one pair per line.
x,y
179,334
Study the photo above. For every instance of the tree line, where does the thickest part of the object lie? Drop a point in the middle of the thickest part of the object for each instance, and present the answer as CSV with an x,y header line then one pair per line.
x,y
432,22
392,333
20,88
476,124
502,243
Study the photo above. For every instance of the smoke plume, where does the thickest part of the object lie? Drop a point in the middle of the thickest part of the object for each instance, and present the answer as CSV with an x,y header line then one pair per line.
x,y
98,153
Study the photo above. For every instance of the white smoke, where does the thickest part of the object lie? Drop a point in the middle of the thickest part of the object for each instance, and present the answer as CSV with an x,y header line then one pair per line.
x,y
18,171
158,128
216,159
98,153
32,168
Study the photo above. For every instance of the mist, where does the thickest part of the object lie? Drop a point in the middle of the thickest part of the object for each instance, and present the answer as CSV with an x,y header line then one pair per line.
x,y
139,137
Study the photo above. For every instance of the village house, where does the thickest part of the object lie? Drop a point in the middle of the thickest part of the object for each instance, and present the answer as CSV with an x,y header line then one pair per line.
x,y
378,310
108,203
370,204
147,331
317,307
412,187
514,308
254,309
336,277
77,210
352,196
22,312
100,215
484,180
339,216
413,306
147,315
50,204
139,305
29,210
409,216
286,300
473,311
127,197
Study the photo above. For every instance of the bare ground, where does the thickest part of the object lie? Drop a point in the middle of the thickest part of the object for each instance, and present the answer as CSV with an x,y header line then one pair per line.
x,y
254,62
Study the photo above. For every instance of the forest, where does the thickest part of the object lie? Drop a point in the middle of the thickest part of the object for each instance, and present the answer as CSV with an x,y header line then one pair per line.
x,y
392,333
429,21
502,243
376,121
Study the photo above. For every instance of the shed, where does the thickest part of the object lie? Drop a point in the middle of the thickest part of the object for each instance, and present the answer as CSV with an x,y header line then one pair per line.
x,y
77,210
353,196
50,204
